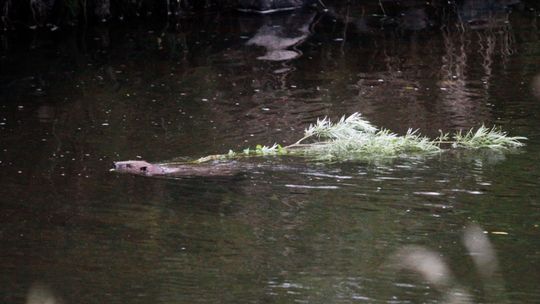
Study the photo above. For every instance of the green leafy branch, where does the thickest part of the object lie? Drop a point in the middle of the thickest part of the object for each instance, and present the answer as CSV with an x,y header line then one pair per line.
x,y
356,138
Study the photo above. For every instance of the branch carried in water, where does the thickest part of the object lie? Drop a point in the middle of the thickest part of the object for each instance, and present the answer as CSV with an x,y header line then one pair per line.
x,y
353,138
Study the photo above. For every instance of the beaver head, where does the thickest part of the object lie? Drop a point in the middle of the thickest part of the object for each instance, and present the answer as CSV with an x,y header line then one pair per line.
x,y
136,167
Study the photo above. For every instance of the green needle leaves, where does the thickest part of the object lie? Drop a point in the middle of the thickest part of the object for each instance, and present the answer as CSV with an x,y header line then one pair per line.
x,y
354,138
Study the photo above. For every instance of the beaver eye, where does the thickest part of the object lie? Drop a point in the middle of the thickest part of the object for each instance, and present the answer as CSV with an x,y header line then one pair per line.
x,y
143,169
128,166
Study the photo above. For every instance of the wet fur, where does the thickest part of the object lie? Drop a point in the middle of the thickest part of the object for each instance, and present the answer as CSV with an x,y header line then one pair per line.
x,y
141,167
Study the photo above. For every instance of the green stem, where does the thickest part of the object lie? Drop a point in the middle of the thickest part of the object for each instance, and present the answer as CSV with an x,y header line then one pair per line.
x,y
298,143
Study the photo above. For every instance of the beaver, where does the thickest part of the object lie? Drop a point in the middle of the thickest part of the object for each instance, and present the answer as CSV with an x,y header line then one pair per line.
x,y
141,167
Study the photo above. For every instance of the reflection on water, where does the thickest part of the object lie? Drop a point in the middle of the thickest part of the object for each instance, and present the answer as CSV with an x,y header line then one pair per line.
x,y
277,36
289,231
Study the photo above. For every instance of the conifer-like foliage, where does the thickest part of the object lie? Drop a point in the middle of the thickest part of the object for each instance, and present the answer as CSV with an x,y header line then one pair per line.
x,y
354,138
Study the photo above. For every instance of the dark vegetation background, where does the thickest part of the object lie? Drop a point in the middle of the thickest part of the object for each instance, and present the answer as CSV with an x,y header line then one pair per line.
x,y
72,12
57,13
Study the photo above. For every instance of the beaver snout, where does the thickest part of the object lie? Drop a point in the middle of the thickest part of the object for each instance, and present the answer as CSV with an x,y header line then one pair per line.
x,y
121,165
132,166
117,166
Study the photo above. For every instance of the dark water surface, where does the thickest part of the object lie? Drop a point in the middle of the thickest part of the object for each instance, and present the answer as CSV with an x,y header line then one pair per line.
x,y
72,231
